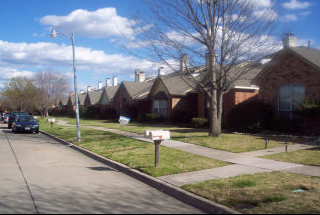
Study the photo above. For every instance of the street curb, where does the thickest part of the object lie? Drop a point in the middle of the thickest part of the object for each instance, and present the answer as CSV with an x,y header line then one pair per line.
x,y
189,198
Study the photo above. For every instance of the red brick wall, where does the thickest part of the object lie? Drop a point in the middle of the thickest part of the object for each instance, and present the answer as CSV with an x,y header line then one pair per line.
x,y
201,106
121,96
184,105
236,96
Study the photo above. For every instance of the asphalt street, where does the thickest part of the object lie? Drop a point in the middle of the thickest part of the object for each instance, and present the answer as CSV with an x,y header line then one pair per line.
x,y
40,175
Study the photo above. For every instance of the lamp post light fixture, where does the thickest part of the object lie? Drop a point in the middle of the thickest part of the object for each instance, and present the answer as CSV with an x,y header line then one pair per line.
x,y
54,35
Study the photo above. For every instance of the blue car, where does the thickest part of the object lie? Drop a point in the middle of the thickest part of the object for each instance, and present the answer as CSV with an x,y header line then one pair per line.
x,y
25,123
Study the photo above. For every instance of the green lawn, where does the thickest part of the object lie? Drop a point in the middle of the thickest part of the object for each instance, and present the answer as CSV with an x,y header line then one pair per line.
x,y
231,142
134,153
306,156
260,193
263,193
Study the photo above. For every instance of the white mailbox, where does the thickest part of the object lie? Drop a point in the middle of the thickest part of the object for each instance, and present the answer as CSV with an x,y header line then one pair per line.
x,y
52,120
158,135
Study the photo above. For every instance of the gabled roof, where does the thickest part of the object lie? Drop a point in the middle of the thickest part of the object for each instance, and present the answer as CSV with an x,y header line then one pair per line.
x,y
239,76
177,85
72,99
64,100
307,54
138,90
94,96
245,80
310,55
82,97
109,92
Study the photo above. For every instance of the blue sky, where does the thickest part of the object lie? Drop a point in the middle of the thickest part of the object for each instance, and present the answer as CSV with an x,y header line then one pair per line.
x,y
26,46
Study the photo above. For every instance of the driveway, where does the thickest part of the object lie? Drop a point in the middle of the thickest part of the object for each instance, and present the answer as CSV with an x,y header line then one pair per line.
x,y
40,175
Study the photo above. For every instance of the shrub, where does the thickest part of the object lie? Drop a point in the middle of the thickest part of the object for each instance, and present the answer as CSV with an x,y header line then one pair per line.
x,y
181,117
199,122
293,126
250,116
110,113
309,108
91,112
150,117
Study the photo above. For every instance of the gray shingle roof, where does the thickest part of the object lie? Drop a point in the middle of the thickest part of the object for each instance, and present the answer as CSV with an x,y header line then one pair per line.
x,y
108,94
138,90
82,97
111,91
94,96
72,99
64,100
245,80
177,85
309,54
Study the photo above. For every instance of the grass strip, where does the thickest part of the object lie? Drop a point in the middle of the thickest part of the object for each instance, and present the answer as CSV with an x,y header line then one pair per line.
x,y
133,153
306,156
263,193
231,142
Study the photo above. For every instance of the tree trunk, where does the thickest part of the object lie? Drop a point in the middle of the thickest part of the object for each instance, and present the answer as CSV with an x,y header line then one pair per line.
x,y
215,120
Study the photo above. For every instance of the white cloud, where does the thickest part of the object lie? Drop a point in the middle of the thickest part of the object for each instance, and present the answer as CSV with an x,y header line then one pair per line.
x,y
295,4
306,13
42,56
7,73
288,18
266,14
260,3
101,23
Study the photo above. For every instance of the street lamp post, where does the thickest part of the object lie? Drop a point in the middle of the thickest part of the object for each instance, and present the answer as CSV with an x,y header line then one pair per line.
x,y
54,35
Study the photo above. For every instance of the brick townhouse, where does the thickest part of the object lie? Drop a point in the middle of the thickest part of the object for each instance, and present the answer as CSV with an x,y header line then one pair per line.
x,y
291,77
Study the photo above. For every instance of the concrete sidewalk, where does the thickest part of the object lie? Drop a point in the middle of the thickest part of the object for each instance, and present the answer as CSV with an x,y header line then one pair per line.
x,y
241,163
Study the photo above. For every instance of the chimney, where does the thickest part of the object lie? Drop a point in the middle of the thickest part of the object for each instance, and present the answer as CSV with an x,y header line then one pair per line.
x,y
115,81
108,82
139,76
184,63
289,40
142,77
161,71
99,85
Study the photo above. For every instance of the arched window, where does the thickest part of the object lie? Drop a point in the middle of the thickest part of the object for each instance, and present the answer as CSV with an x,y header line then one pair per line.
x,y
290,96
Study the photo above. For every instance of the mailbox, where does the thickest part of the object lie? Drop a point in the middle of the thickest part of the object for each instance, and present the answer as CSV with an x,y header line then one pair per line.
x,y
52,120
158,135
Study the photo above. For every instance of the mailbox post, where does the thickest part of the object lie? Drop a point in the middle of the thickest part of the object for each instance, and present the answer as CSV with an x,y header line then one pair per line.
x,y
157,137
51,121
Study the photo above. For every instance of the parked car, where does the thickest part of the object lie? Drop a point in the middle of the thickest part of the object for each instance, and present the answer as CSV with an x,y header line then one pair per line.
x,y
25,123
13,116
6,118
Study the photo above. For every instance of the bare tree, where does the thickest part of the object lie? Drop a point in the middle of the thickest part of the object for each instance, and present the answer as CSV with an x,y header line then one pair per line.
x,y
52,85
222,33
